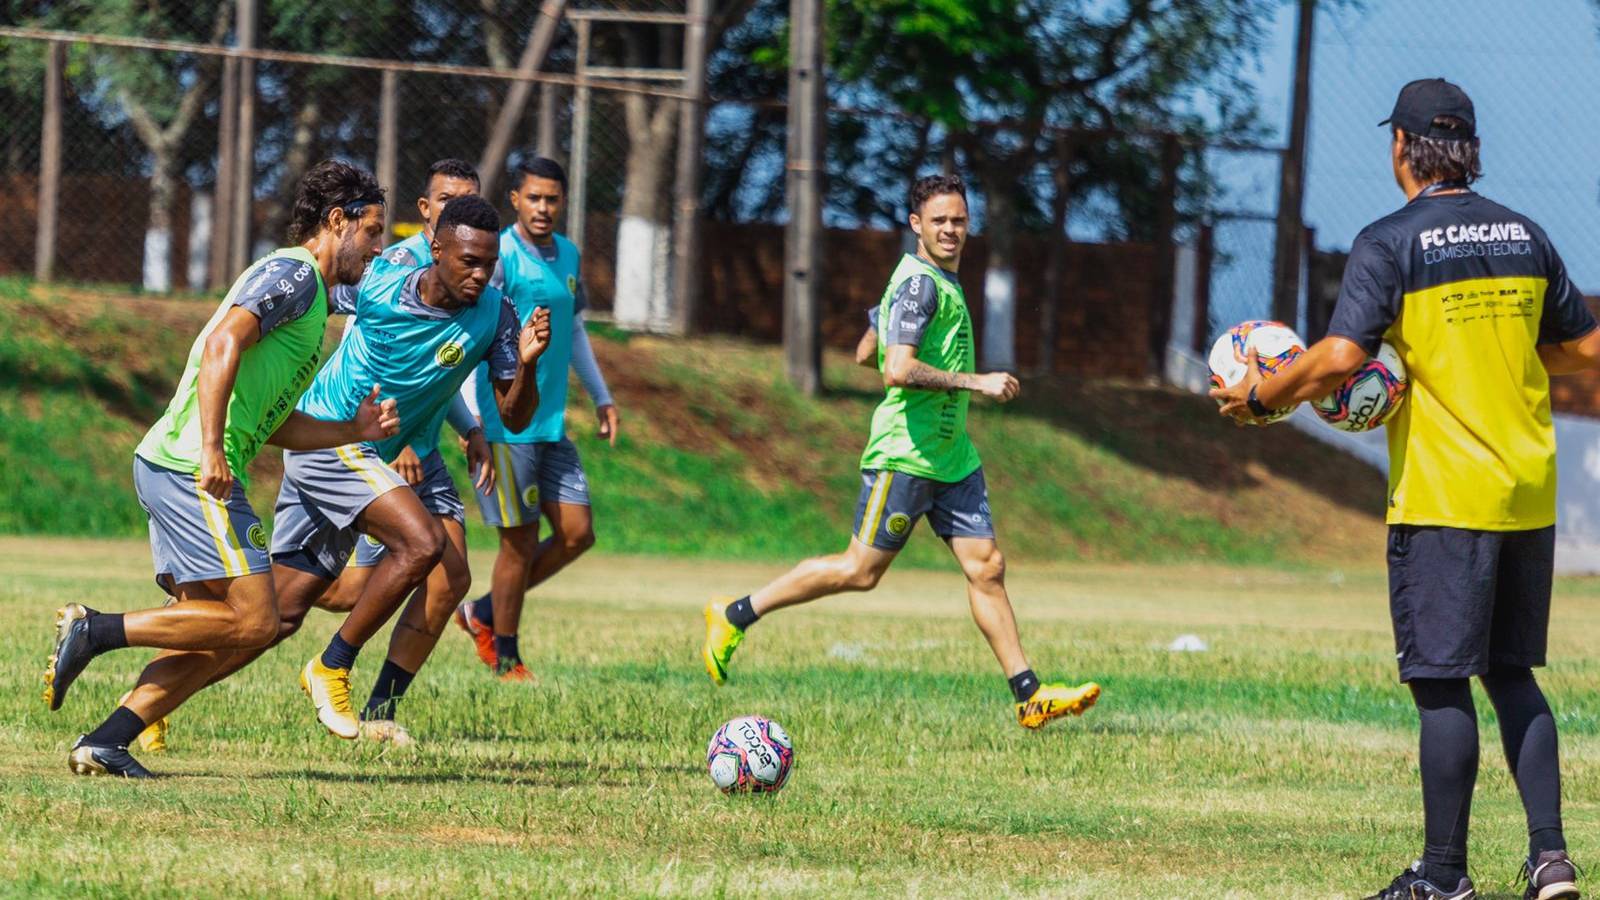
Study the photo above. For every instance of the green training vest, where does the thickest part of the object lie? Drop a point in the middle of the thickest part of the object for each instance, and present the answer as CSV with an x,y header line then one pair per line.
x,y
921,432
273,373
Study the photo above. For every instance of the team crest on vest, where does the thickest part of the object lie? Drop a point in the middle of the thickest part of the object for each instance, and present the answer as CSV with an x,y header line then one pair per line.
x,y
450,354
572,284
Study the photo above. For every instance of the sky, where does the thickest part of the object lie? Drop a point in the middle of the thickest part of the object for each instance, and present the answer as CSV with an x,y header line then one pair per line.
x,y
1531,68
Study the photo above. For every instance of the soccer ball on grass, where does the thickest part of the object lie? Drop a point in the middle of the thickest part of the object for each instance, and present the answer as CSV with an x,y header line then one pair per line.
x,y
750,754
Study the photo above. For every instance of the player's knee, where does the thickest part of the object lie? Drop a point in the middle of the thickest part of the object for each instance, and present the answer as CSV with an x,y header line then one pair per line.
x,y
418,553
860,577
457,583
257,630
989,568
576,543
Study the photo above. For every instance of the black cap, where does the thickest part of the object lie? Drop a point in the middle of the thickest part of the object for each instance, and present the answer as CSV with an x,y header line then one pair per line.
x,y
1420,101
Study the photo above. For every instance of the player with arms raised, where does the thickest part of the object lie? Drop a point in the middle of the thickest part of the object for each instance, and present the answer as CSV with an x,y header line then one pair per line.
x,y
245,372
919,461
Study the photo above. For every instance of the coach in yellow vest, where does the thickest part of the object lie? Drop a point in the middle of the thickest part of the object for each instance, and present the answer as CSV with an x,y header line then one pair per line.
x,y
1480,308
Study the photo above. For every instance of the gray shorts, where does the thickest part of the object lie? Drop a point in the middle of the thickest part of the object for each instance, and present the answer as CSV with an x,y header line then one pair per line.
x,y
193,535
323,492
438,495
524,474
891,503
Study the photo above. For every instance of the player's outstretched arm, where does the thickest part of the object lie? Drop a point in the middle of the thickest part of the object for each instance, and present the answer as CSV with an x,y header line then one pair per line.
x,y
902,369
238,331
374,421
518,397
1569,357
1321,369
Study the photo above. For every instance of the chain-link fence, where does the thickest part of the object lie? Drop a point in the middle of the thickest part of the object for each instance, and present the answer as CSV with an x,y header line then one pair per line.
x,y
150,120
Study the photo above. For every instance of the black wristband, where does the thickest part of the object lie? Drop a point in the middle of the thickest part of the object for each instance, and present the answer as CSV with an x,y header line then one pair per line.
x,y
1256,408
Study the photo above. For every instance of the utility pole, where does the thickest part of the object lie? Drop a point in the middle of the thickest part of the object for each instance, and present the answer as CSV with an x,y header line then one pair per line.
x,y
686,189
802,326
244,155
1291,181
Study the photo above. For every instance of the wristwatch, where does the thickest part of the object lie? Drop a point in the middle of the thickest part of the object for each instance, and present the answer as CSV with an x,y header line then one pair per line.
x,y
1256,408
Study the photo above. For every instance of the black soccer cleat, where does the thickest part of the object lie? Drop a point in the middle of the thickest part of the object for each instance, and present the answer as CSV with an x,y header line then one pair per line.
x,y
1410,885
1551,877
104,759
72,652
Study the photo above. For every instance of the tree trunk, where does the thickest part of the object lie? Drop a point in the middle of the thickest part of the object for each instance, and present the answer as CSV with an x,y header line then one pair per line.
x,y
295,161
644,234
158,229
1000,279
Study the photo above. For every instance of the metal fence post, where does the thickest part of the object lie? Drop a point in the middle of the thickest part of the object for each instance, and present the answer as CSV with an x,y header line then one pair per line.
x,y
388,142
802,342
691,134
244,154
221,254
44,248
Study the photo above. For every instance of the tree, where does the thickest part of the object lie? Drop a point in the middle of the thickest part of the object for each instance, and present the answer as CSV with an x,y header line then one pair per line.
x,y
162,95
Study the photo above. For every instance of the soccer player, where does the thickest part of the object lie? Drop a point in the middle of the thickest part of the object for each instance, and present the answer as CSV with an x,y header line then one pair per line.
x,y
419,331
539,469
1480,308
245,372
446,180
919,461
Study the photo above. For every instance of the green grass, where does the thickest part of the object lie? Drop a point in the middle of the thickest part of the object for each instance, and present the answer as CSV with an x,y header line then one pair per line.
x,y
1283,756
719,458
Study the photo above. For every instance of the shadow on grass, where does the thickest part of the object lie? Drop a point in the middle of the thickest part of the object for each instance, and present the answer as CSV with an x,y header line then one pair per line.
x,y
542,773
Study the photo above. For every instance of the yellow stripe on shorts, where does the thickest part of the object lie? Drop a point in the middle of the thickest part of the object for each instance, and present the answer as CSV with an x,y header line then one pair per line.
x,y
875,504
506,486
360,464
220,526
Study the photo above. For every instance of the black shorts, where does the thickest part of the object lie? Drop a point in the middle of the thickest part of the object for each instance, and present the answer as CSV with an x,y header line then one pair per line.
x,y
1465,600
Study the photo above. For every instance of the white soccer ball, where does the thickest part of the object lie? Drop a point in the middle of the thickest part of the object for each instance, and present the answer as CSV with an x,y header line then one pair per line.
x,y
1276,346
1369,396
750,754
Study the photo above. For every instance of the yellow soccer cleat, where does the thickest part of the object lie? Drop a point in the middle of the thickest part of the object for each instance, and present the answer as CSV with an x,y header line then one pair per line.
x,y
1052,701
153,739
329,690
385,731
722,638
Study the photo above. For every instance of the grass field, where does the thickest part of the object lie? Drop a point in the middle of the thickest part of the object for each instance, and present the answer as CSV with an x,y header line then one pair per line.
x,y
1280,762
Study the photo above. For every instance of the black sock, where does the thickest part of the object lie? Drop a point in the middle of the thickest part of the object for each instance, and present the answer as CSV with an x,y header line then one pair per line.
x,y
1528,734
106,632
741,614
119,728
339,655
483,610
505,647
387,691
1449,763
1023,684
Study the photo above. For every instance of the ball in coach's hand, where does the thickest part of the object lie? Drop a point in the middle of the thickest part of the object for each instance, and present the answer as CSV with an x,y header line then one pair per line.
x,y
1276,346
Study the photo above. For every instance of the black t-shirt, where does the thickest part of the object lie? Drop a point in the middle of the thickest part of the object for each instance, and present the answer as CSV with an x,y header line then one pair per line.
x,y
1438,239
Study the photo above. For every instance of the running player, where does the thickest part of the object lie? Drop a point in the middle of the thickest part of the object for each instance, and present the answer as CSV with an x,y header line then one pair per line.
x,y
1474,297
919,461
420,331
245,371
539,468
446,180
